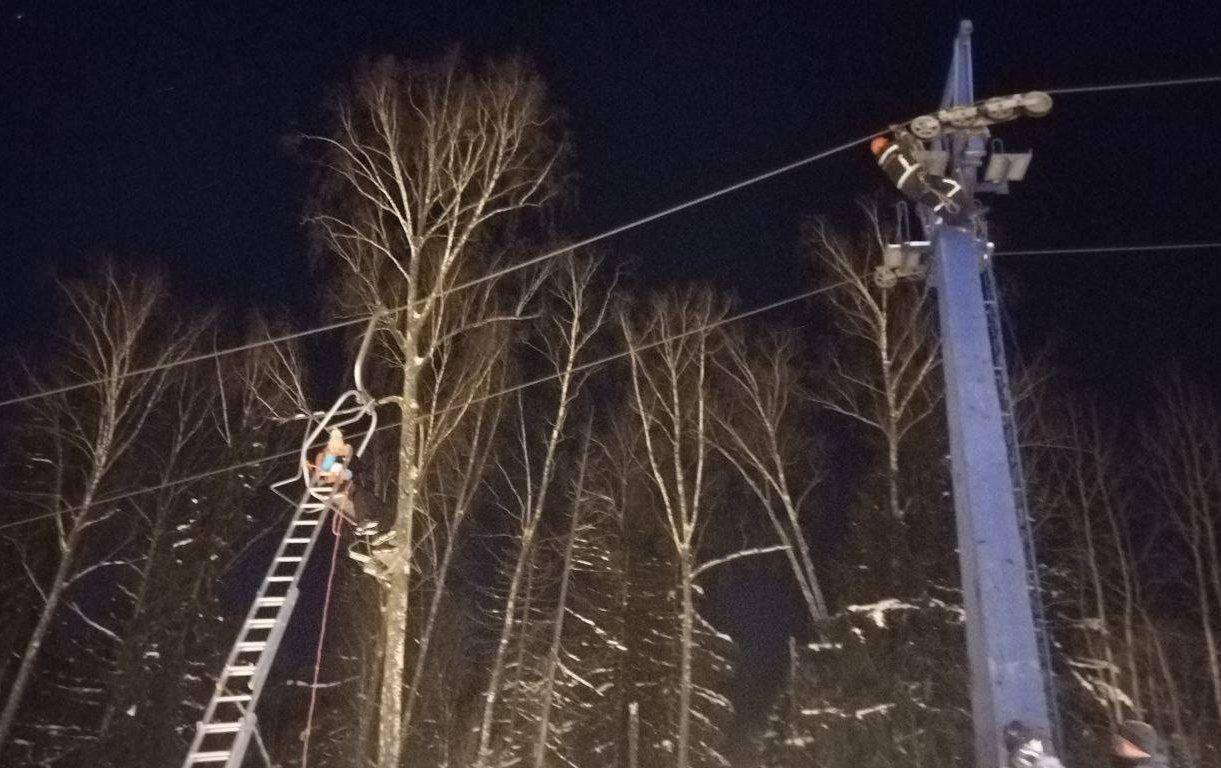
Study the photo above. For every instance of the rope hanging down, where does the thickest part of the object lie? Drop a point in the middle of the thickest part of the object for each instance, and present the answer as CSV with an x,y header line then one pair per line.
x,y
336,529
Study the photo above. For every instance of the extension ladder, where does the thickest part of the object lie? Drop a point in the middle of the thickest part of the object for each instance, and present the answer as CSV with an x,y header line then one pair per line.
x,y
223,733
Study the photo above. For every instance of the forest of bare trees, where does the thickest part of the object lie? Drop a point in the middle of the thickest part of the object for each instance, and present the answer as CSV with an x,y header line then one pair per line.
x,y
578,475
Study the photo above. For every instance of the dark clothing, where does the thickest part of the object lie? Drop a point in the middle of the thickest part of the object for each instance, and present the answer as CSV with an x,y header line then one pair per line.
x,y
941,195
1138,745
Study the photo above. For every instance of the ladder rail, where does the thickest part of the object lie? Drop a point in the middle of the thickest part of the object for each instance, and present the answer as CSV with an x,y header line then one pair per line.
x,y
259,655
251,659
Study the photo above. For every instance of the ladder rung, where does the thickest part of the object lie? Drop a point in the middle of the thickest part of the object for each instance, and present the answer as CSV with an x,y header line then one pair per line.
x,y
288,559
261,623
296,541
305,522
240,670
233,727
252,645
209,757
233,698
279,578
270,601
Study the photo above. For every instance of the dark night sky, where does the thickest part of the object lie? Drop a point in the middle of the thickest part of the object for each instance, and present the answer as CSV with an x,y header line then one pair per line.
x,y
153,131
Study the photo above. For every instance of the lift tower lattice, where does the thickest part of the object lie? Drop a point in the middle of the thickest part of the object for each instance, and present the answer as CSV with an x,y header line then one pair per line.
x,y
1008,669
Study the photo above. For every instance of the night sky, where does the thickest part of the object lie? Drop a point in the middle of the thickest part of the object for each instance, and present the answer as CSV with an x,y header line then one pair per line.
x,y
155,132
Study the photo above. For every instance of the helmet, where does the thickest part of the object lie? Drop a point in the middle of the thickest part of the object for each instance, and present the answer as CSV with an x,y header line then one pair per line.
x,y
1136,740
336,435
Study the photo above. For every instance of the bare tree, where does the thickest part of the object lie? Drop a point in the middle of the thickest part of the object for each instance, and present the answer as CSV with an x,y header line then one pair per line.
x,y
559,700
1083,487
187,537
760,435
572,320
425,165
90,438
886,386
1185,474
670,395
1115,508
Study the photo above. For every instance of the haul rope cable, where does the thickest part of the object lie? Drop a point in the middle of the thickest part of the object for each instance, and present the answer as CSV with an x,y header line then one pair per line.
x,y
584,366
1139,85
551,254
1109,249
579,244
500,393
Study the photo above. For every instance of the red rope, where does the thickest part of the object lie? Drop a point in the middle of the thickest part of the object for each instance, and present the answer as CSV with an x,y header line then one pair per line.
x,y
336,526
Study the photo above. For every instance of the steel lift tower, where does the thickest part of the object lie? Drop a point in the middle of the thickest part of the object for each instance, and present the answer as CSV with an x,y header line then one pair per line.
x,y
1008,660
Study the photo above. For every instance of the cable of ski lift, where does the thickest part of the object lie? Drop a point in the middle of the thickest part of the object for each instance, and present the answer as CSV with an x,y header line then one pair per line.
x,y
299,452
1109,249
546,256
1138,85
579,244
365,436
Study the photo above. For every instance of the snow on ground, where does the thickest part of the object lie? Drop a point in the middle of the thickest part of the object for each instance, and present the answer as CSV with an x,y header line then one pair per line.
x,y
859,714
877,611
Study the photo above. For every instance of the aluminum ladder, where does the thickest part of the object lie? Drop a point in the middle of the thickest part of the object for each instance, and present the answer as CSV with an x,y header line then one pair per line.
x,y
223,733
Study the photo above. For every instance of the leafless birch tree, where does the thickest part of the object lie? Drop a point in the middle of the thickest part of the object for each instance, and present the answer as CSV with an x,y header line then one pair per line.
x,y
1092,502
756,416
1185,474
424,165
670,385
571,320
89,438
886,387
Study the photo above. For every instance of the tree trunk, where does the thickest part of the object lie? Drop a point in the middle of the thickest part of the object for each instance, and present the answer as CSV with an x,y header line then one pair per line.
x,y
492,693
687,642
390,728
561,609
1206,622
33,648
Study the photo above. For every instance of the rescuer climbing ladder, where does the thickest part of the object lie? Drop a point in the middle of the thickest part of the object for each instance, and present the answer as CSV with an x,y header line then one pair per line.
x,y
228,723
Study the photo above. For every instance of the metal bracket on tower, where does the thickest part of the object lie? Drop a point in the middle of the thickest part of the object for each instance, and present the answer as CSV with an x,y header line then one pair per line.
x,y
903,259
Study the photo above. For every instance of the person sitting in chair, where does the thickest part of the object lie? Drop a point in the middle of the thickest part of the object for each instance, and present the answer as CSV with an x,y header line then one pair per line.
x,y
331,467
